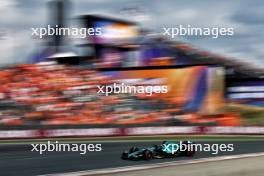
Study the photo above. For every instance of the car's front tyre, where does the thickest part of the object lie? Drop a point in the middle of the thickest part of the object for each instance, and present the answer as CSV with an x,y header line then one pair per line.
x,y
147,155
124,155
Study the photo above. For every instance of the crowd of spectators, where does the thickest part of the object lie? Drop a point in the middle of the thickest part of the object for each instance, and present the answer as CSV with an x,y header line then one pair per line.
x,y
52,94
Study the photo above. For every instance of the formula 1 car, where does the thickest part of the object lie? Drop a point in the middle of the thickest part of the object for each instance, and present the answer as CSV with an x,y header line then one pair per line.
x,y
166,150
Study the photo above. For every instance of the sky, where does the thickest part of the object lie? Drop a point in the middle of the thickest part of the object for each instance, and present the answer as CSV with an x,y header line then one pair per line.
x,y
246,17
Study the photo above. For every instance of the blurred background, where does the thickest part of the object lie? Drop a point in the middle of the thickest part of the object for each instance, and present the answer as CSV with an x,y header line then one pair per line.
x,y
48,85
52,82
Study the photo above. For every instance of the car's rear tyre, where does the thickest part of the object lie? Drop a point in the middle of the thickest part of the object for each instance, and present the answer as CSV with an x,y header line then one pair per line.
x,y
147,155
189,153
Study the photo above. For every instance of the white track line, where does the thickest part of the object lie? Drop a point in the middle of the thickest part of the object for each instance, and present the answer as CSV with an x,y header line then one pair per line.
x,y
157,165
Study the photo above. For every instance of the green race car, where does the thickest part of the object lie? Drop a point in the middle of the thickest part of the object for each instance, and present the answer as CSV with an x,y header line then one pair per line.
x,y
166,150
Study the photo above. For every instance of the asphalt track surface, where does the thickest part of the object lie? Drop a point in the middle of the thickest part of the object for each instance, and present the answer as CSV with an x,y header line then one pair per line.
x,y
18,160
